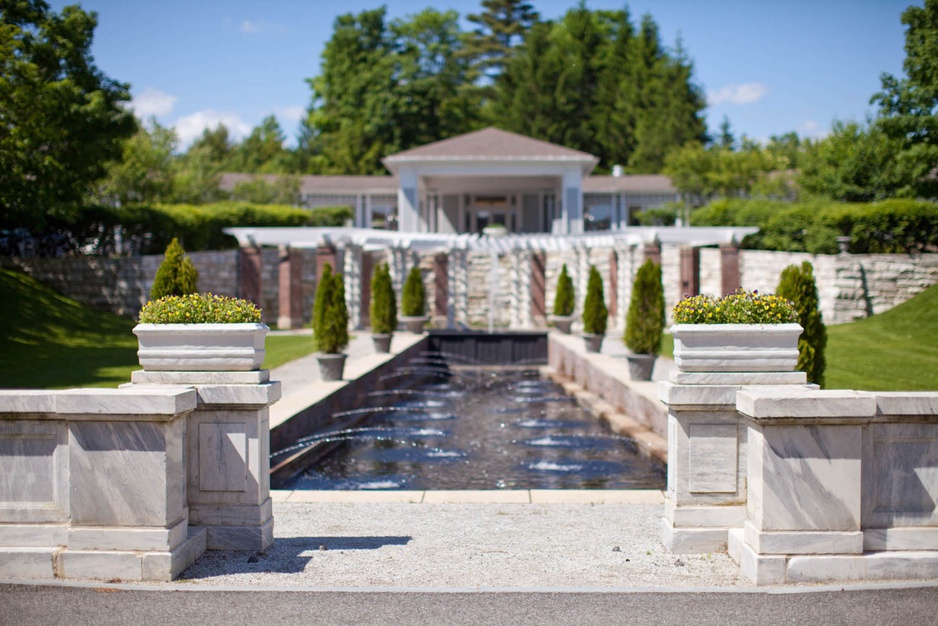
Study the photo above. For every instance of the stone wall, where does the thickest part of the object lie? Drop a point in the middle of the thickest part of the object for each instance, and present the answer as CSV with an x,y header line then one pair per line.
x,y
850,286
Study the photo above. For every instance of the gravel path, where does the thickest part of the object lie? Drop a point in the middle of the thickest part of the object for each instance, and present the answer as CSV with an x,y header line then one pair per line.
x,y
465,546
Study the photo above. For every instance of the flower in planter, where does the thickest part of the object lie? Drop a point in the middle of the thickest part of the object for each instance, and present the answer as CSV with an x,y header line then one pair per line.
x,y
742,307
199,308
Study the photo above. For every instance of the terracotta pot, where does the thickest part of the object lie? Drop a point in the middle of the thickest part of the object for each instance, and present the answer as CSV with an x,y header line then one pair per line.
x,y
641,366
331,366
414,324
736,347
593,342
562,322
200,347
382,342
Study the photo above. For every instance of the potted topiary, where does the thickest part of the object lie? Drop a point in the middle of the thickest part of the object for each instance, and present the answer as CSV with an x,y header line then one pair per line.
x,y
332,334
383,308
797,285
413,302
644,321
564,302
595,313
742,332
176,275
200,332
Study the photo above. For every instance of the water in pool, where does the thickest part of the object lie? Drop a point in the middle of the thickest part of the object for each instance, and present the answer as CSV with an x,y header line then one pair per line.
x,y
475,428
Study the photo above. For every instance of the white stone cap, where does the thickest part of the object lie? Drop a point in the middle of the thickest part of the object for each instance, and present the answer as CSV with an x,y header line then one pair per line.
x,y
796,402
158,403
907,403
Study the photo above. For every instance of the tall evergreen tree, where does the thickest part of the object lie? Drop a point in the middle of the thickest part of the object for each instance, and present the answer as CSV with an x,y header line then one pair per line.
x,y
502,26
61,118
797,284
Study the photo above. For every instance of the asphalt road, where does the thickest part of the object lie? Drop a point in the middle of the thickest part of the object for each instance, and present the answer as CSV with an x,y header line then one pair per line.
x,y
22,605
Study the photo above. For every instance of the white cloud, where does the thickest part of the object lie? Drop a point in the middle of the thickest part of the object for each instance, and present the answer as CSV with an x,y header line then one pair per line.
x,y
810,128
292,115
153,102
746,93
190,127
248,26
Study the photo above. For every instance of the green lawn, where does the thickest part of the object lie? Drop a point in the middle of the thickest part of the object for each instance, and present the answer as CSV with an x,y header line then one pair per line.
x,y
49,341
896,350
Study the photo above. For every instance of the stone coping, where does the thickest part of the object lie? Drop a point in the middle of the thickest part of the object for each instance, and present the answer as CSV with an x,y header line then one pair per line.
x,y
500,496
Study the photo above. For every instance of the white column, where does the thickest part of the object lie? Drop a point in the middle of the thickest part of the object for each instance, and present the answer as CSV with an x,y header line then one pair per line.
x,y
352,268
521,288
408,206
572,184
459,289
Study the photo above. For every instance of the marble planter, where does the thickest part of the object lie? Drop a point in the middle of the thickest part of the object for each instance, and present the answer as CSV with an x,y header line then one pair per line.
x,y
201,347
414,323
331,366
736,347
382,342
641,366
593,343
562,322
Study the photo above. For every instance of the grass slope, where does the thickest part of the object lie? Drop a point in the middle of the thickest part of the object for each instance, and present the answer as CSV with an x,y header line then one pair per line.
x,y
49,341
893,351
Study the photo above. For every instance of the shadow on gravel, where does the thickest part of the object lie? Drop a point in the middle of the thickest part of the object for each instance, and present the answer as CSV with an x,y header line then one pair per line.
x,y
287,556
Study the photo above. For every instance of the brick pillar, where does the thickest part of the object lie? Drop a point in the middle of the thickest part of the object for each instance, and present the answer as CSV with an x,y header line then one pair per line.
x,y
368,269
612,289
249,275
440,291
729,268
291,288
539,288
653,252
690,271
325,254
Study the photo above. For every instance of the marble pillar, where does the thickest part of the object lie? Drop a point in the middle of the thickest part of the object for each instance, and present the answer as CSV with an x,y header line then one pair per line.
x,y
93,484
352,271
707,444
228,452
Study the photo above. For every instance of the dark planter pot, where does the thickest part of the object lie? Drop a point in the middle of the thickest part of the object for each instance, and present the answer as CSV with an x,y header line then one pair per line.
x,y
382,342
593,342
641,366
331,366
414,324
562,323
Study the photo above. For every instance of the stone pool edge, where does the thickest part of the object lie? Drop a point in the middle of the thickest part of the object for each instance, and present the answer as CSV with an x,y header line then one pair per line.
x,y
495,496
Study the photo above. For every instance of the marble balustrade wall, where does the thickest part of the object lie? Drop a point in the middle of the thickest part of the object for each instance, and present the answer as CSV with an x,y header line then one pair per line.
x,y
850,286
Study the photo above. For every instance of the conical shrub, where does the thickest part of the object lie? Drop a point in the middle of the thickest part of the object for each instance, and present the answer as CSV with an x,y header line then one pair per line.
x,y
176,275
333,335
383,302
414,298
595,313
564,299
644,322
321,303
798,285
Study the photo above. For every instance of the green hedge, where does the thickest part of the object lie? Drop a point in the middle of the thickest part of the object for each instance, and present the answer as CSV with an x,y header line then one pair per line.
x,y
891,226
198,227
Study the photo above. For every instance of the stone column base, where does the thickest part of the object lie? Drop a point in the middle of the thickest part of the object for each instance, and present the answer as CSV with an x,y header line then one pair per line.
x,y
699,529
765,569
120,564
244,527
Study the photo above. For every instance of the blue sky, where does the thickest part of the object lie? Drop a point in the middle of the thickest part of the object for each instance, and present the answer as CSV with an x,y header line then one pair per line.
x,y
771,67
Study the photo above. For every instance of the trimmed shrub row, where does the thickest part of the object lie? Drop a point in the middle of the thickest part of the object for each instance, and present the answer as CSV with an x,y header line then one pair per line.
x,y
891,226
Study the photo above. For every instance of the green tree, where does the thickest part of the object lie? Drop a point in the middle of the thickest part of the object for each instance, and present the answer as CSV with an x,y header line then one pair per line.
x,y
321,304
798,286
197,173
144,173
333,335
61,117
644,321
176,275
262,150
595,313
413,300
908,107
501,26
383,306
268,190
726,140
564,298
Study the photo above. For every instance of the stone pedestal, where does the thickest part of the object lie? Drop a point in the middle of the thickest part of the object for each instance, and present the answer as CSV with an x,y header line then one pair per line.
x,y
707,445
228,454
93,484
